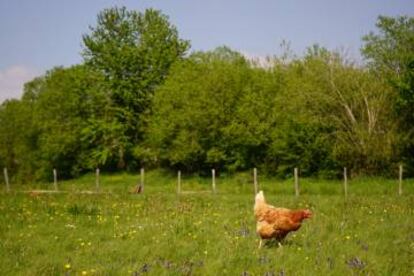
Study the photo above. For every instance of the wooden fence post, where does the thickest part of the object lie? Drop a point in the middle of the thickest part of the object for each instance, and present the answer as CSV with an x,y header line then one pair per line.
x,y
400,178
97,180
55,179
345,183
142,179
6,179
296,181
213,180
179,182
255,180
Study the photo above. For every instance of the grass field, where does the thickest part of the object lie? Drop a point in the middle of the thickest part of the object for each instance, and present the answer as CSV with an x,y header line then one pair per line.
x,y
161,233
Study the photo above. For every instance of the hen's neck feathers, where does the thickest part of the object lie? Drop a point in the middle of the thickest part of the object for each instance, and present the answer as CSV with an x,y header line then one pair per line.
x,y
259,200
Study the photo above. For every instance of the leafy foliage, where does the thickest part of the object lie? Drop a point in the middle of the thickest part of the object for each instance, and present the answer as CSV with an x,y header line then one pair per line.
x,y
347,109
390,54
139,99
210,112
134,52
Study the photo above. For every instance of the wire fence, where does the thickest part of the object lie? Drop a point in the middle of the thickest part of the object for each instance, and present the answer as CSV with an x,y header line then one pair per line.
x,y
139,186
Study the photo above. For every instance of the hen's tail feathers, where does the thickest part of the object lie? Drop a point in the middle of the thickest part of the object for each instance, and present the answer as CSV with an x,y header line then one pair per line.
x,y
260,198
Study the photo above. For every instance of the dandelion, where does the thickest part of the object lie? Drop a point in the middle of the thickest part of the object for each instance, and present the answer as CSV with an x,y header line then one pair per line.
x,y
347,237
205,252
84,272
67,266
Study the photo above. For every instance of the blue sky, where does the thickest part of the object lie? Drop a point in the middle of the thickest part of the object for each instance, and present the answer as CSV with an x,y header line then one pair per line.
x,y
37,35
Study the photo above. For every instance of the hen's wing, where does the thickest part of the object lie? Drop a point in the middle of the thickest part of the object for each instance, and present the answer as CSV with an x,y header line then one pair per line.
x,y
280,219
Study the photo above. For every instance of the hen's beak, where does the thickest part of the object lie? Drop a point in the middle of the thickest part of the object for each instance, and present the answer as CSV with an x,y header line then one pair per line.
x,y
308,213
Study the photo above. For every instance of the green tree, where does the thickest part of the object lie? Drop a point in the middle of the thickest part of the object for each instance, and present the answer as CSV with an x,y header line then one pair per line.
x,y
18,133
68,99
299,138
134,51
348,107
390,53
13,116
212,111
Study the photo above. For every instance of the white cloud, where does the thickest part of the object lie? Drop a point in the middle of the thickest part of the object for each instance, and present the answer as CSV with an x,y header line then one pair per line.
x,y
12,80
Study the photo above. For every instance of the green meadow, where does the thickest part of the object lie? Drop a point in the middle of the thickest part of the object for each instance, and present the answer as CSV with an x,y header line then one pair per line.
x,y
197,232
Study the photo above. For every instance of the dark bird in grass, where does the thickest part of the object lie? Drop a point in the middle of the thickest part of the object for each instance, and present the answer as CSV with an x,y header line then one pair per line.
x,y
138,189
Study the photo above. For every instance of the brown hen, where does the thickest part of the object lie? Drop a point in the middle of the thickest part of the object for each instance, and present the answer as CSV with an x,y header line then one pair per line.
x,y
275,222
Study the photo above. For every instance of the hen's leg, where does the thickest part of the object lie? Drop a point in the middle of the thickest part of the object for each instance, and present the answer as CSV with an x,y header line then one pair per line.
x,y
260,243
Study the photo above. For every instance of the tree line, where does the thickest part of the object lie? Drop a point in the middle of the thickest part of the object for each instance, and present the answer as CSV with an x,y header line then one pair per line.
x,y
141,98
